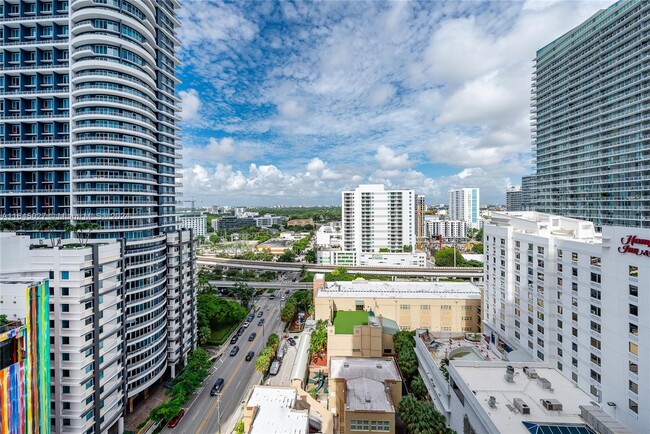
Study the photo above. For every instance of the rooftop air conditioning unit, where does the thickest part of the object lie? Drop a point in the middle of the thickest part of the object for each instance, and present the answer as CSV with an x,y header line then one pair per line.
x,y
551,404
543,383
521,406
530,372
510,374
492,402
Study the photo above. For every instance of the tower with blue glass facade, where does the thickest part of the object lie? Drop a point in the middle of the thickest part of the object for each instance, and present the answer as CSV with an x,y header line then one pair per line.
x,y
89,134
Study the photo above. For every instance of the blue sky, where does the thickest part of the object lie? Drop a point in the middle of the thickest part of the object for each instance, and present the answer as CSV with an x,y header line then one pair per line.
x,y
288,103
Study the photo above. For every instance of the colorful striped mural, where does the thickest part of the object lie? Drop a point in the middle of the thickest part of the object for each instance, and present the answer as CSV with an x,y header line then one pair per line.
x,y
25,384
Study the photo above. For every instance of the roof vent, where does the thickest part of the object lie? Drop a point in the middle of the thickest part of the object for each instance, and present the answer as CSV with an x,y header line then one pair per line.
x,y
346,365
378,366
368,398
543,383
551,404
492,402
530,372
510,374
521,406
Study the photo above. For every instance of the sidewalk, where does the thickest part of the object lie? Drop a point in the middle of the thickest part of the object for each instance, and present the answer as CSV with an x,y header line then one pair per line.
x,y
157,396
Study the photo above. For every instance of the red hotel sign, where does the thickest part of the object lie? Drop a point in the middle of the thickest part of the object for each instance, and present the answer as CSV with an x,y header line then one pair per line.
x,y
630,241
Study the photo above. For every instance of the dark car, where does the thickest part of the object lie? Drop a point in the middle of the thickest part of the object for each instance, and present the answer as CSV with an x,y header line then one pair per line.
x,y
240,331
260,313
260,322
250,356
218,385
234,339
287,291
272,296
292,342
250,317
172,423
252,337
234,351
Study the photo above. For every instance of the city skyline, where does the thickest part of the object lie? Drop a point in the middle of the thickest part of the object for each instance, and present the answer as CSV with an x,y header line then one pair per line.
x,y
291,103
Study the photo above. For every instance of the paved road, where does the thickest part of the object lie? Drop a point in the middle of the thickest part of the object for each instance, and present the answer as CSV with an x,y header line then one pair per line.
x,y
239,375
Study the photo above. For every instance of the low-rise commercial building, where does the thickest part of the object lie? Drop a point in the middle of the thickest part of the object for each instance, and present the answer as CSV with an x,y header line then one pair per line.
x,y
229,223
364,394
268,220
276,246
357,333
439,306
274,410
344,258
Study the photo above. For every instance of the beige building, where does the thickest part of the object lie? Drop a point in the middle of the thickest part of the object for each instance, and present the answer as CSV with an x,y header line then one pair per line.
x,y
364,393
359,334
436,306
275,410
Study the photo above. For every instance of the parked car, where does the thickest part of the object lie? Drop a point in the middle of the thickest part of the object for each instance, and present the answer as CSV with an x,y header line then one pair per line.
x,y
172,423
234,339
218,385
246,324
252,337
240,331
234,351
260,322
250,356
260,313
250,317
275,368
292,342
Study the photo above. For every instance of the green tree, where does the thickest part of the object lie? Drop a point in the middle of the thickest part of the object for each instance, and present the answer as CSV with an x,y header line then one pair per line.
x,y
408,363
3,320
204,334
477,248
165,411
318,339
239,427
445,257
273,342
310,256
479,235
214,239
407,249
289,309
243,292
288,256
262,363
418,387
404,340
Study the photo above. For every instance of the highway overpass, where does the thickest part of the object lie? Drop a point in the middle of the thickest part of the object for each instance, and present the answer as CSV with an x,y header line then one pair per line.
x,y
434,273
258,285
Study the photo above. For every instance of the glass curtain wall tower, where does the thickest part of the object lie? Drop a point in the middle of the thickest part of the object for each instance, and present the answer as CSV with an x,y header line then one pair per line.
x,y
89,134
590,119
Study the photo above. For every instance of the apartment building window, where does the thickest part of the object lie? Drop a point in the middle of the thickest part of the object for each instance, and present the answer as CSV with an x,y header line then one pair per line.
x,y
595,294
634,368
634,290
634,271
560,338
359,425
559,267
595,376
594,390
634,310
595,359
559,352
559,253
574,377
595,277
595,326
574,271
574,256
633,348
634,406
540,250
405,306
445,307
595,343
574,286
595,310
574,362
634,329
595,261
65,308
559,366
517,244
559,324
425,307
634,388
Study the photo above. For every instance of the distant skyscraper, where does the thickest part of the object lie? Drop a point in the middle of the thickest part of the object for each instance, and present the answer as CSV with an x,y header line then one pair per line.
x,y
376,220
590,120
513,198
528,193
421,207
464,206
89,135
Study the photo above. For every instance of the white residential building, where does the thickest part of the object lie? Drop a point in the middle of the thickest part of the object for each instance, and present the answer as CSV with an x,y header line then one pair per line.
x,y
576,299
197,222
268,220
514,198
464,205
328,236
379,220
446,228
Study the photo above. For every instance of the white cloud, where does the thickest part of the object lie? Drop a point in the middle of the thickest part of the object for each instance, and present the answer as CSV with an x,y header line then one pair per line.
x,y
190,105
387,159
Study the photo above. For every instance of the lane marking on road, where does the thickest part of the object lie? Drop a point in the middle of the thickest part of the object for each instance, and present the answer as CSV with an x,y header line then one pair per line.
x,y
228,382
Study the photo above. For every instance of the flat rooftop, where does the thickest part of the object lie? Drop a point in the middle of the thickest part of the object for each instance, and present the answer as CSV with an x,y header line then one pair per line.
x,y
361,288
375,368
365,394
486,379
344,321
276,413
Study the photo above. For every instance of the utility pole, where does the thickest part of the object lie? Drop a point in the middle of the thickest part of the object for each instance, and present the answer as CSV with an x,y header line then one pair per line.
x,y
454,252
218,413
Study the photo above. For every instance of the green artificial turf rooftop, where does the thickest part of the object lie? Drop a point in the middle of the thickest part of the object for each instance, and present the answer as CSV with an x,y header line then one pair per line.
x,y
344,321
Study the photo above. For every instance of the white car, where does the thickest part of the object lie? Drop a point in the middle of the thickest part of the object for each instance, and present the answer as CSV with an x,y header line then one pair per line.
x,y
246,324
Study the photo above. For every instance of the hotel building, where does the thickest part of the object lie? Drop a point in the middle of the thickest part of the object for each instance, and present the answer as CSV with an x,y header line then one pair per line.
x,y
590,122
562,293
